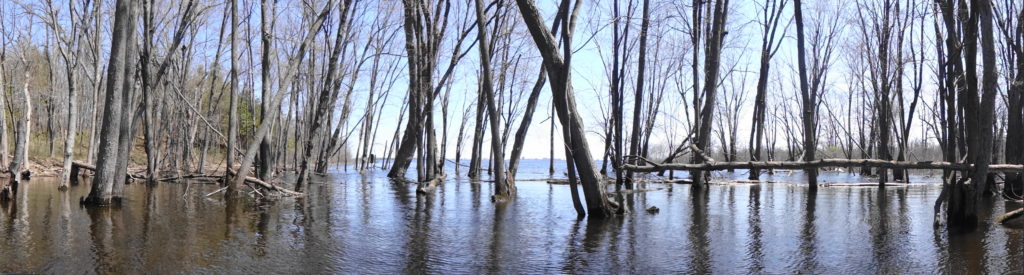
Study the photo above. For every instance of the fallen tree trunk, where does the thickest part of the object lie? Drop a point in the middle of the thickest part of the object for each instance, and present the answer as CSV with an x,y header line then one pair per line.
x,y
874,163
248,180
76,170
1013,218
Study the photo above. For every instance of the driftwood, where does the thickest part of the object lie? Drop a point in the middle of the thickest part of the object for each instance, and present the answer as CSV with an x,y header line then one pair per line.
x,y
666,181
752,181
612,180
819,163
634,191
270,186
1012,218
77,167
566,181
864,184
252,181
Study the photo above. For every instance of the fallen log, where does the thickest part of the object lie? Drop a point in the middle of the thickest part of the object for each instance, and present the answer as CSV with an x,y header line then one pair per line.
x,y
667,181
270,186
77,167
566,181
750,181
863,184
874,163
1013,218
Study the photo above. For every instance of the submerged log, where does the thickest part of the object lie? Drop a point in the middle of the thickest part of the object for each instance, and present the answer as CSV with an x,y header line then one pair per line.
x,y
270,186
874,163
76,168
427,187
1013,218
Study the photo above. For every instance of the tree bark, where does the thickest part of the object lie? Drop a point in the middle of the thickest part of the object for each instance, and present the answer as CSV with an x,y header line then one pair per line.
x,y
118,73
808,99
326,98
712,60
503,189
769,46
565,104
235,186
288,78
267,22
634,141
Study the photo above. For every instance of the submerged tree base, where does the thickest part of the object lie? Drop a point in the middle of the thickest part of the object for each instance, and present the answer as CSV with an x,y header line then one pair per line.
x,y
111,201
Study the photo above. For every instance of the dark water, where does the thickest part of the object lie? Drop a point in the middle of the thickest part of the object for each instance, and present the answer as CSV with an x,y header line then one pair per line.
x,y
354,223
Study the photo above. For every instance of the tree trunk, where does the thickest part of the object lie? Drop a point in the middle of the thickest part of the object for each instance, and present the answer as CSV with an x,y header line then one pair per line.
x,y
524,125
119,73
769,46
634,141
267,22
72,131
565,103
288,77
503,189
3,119
711,67
22,131
233,103
475,158
809,100
326,97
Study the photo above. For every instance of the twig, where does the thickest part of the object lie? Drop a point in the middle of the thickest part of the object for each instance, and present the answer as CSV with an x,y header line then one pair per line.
x,y
217,191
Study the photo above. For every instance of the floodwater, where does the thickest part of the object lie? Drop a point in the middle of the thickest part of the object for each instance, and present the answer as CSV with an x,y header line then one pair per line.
x,y
364,223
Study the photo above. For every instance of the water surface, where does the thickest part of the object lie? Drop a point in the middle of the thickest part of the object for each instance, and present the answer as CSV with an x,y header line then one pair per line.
x,y
364,223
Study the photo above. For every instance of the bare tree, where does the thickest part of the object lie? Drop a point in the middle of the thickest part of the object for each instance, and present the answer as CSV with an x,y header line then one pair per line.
x,y
67,45
712,61
771,12
502,189
119,73
558,69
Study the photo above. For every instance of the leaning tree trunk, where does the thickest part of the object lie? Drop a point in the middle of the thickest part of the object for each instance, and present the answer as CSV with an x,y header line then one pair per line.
x,y
325,99
475,158
711,67
769,46
288,80
502,188
23,132
634,141
565,105
524,125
